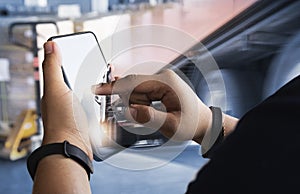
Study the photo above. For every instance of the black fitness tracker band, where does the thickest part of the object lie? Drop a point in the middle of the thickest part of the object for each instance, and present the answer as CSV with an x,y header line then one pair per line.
x,y
66,149
216,133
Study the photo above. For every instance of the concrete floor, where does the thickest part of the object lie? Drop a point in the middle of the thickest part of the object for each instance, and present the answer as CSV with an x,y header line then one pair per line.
x,y
172,177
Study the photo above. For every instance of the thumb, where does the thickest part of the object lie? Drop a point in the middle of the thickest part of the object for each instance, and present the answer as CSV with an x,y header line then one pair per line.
x,y
52,73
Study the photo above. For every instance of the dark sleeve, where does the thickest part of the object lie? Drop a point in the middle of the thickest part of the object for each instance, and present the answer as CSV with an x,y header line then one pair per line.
x,y
262,155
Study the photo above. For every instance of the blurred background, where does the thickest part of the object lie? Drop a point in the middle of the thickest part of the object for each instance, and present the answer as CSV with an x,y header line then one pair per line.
x,y
254,43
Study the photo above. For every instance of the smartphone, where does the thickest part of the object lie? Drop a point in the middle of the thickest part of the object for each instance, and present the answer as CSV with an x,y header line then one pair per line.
x,y
83,65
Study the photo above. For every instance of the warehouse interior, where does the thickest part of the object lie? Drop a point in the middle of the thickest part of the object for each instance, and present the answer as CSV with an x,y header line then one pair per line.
x,y
247,41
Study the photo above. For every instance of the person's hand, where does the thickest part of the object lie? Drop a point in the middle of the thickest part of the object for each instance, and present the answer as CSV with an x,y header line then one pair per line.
x,y
185,116
62,115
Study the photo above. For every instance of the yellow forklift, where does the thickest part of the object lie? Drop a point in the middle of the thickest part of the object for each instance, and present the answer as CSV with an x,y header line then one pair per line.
x,y
17,143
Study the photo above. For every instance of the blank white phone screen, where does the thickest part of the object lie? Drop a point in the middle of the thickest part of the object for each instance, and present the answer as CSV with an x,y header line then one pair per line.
x,y
74,50
84,65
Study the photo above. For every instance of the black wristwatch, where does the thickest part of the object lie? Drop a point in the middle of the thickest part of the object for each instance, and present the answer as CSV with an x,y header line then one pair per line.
x,y
66,149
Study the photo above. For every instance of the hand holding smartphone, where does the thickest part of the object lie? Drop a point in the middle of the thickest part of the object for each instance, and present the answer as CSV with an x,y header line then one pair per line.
x,y
83,65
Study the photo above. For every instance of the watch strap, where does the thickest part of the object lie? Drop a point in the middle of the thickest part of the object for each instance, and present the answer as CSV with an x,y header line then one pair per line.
x,y
64,148
215,134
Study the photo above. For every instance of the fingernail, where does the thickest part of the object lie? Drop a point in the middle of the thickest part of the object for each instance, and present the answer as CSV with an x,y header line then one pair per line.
x,y
48,47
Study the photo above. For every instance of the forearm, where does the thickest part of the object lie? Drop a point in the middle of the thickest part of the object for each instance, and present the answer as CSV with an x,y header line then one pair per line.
x,y
58,174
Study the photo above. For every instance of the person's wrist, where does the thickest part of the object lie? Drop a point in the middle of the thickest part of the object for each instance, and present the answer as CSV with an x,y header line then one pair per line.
x,y
215,135
76,140
204,124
